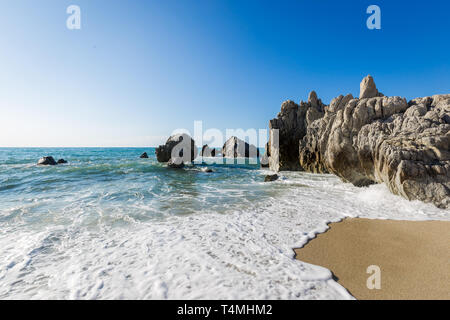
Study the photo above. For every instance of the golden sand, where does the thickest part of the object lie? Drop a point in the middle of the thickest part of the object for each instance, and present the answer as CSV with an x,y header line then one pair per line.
x,y
413,257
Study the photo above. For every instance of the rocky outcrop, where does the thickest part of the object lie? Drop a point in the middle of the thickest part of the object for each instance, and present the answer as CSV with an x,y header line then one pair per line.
x,y
378,139
208,152
288,129
177,146
144,156
314,143
61,161
47,161
410,151
237,148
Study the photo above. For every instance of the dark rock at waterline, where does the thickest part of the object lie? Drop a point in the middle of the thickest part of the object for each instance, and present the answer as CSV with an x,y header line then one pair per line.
x,y
208,152
177,146
207,170
144,156
237,148
176,163
271,177
47,161
61,161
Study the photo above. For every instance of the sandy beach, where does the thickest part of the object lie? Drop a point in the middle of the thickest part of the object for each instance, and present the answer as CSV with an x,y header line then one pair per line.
x,y
413,257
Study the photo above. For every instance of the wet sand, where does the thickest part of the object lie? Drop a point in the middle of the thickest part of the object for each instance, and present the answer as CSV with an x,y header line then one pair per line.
x,y
414,257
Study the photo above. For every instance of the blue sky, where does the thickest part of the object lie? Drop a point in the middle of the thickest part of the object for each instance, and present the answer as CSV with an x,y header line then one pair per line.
x,y
137,70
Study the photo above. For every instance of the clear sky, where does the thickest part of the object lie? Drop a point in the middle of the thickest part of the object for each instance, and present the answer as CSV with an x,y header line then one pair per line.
x,y
137,70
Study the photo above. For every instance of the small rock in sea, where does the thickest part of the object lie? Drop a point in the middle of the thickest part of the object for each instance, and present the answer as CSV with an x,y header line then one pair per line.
x,y
175,163
237,148
208,170
186,148
144,156
265,161
271,177
47,161
208,152
61,161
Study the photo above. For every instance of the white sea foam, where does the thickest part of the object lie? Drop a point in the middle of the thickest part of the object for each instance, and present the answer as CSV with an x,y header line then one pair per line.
x,y
243,252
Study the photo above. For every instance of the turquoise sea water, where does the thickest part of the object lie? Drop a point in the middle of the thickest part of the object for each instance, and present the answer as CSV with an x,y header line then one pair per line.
x,y
111,225
111,180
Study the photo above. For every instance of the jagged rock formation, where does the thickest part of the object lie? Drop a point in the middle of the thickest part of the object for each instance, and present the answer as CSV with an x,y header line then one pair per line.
x,y
410,151
288,129
208,152
235,148
177,146
144,156
379,139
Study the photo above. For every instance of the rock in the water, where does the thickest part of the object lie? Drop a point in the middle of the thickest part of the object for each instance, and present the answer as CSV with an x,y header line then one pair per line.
x,y
208,152
271,177
237,148
175,163
264,161
47,161
144,156
288,129
368,89
177,146
61,161
384,140
207,170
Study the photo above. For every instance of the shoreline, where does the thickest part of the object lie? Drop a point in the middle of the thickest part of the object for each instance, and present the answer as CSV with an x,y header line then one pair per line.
x,y
412,257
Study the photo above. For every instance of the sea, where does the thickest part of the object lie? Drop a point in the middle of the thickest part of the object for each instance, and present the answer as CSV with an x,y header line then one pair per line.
x,y
109,225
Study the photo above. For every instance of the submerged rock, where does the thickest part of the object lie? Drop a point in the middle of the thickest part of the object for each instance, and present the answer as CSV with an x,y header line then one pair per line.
x,y
144,156
235,147
384,140
47,161
271,178
175,163
177,146
61,161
